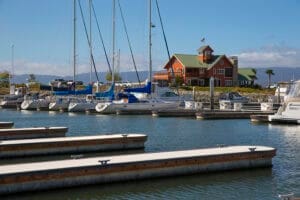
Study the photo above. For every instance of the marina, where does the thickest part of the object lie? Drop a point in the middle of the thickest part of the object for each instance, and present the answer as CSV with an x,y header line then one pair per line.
x,y
136,101
185,133
79,144
67,173
34,132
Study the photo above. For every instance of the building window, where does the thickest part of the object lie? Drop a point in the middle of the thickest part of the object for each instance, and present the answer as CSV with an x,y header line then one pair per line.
x,y
228,72
201,71
228,83
201,82
207,53
220,71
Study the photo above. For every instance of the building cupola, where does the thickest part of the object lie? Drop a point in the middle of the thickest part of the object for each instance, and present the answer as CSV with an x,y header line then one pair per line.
x,y
205,53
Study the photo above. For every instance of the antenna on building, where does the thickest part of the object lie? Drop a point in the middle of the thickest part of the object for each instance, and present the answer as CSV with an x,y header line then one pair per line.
x,y
203,40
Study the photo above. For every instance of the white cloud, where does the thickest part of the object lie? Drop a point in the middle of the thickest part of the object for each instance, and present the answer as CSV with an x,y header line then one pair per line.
x,y
83,66
62,69
270,56
28,67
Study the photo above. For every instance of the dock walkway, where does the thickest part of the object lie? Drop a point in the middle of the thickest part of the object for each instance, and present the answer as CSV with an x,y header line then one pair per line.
x,y
34,132
67,173
48,146
6,125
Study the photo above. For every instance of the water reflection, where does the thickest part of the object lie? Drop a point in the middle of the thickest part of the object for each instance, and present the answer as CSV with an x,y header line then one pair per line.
x,y
291,132
225,185
169,134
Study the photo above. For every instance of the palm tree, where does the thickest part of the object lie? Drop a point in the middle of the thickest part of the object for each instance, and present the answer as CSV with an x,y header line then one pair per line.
x,y
270,73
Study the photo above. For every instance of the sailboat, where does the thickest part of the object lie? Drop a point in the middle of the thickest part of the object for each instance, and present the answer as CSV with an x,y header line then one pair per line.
x,y
91,100
62,99
129,102
289,112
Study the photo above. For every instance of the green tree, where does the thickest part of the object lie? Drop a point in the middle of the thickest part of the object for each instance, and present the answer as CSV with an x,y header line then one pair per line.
x,y
269,72
4,79
178,80
31,78
117,77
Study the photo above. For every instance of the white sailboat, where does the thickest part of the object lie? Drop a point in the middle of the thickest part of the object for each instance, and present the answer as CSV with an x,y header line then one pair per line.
x,y
81,104
129,102
289,112
90,101
34,102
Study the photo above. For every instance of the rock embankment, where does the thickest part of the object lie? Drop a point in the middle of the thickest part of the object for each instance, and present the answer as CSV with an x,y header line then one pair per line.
x,y
203,96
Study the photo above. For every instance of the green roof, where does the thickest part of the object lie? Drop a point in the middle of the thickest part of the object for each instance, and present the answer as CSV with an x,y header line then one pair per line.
x,y
193,60
247,74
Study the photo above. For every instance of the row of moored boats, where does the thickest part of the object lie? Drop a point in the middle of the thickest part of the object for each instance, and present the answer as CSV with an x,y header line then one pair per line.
x,y
131,99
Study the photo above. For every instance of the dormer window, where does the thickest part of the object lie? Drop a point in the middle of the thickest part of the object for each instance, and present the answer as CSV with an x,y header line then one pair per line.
x,y
207,53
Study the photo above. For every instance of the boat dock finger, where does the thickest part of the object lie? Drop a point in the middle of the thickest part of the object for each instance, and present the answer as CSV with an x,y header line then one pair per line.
x,y
68,173
218,114
6,125
48,146
33,132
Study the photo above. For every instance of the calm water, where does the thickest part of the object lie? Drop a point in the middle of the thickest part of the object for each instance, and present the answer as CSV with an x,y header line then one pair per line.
x,y
165,134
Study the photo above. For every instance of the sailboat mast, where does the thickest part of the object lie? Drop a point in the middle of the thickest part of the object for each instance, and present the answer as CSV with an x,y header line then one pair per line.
x,y
150,42
74,44
12,64
91,62
113,41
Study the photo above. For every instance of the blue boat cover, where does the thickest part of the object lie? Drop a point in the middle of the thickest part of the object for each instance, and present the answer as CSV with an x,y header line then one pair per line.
x,y
88,90
108,94
130,97
145,89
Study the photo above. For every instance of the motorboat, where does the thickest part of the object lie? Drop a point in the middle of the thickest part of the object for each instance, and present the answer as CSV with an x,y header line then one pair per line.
x,y
233,97
14,99
289,112
11,101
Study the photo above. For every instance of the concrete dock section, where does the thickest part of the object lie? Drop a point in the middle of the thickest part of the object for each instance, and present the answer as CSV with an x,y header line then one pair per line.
x,y
218,114
68,173
6,125
34,132
50,146
174,113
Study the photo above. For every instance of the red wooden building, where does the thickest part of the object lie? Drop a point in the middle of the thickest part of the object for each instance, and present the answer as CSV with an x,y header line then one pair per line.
x,y
197,69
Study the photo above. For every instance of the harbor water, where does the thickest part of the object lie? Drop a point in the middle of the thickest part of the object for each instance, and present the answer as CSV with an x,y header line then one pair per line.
x,y
168,134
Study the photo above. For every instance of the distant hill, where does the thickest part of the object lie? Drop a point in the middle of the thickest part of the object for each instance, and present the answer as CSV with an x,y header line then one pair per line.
x,y
281,74
85,77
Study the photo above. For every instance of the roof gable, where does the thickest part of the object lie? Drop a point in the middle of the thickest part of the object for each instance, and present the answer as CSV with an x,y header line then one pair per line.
x,y
247,74
203,48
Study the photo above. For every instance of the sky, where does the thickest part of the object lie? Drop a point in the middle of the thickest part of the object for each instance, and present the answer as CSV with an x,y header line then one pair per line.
x,y
37,36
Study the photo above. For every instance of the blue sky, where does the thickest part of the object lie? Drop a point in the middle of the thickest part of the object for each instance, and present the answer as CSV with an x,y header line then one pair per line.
x,y
262,33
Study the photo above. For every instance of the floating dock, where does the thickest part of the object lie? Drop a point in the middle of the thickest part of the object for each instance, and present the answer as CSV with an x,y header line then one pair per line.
x,y
134,112
259,118
175,113
6,125
224,114
34,132
48,146
274,120
68,173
